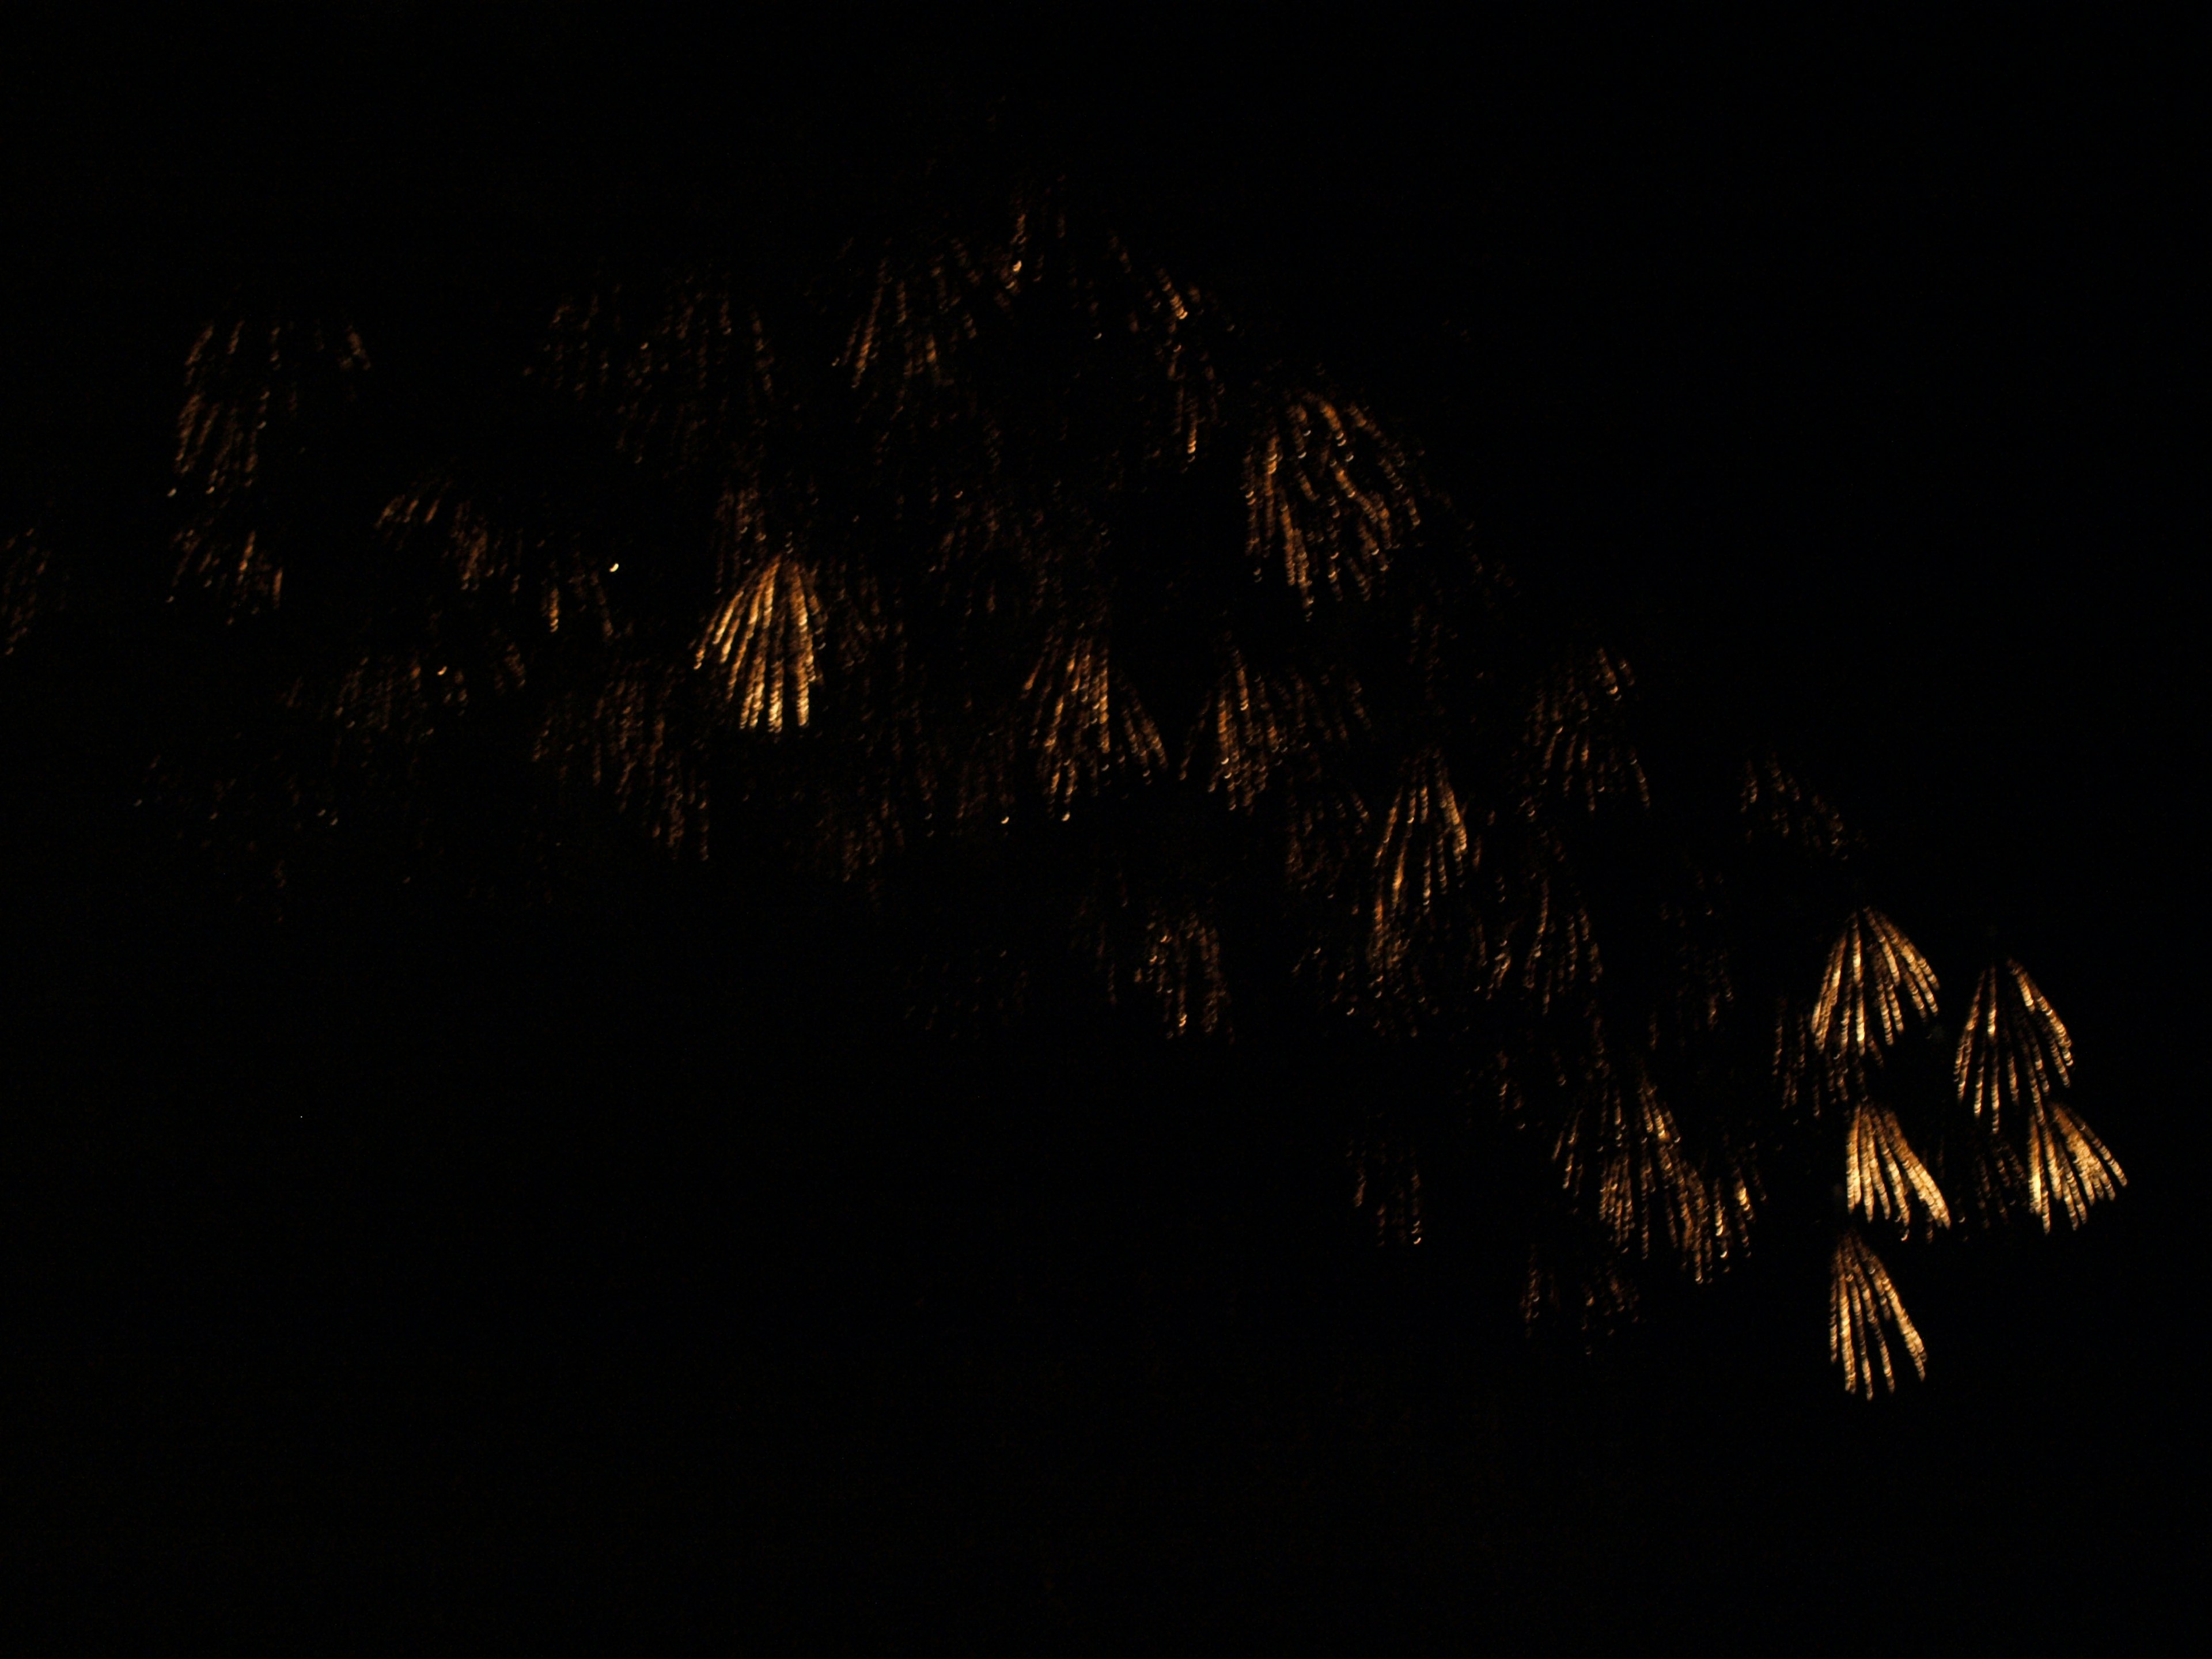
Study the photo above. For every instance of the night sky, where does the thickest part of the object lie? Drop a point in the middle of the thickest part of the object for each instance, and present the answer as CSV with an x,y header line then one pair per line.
x,y
446,1258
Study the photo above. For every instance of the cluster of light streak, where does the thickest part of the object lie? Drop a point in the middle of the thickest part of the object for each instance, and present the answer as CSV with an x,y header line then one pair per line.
x,y
897,582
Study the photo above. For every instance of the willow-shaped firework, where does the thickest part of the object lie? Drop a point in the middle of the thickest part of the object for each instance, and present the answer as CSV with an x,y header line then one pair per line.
x,y
1576,737
1087,721
1255,727
1621,1148
765,644
1883,1176
2014,1061
1874,975
1864,1313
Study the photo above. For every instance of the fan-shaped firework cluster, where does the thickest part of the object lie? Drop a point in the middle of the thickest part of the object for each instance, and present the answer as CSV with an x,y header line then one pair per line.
x,y
997,572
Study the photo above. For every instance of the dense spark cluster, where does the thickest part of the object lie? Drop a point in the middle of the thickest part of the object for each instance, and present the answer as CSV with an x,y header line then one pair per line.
x,y
938,567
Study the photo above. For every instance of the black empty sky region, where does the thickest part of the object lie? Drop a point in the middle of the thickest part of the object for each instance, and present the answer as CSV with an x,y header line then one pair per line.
x,y
953,835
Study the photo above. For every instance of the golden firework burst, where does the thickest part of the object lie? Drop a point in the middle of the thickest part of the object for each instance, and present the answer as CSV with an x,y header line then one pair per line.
x,y
1884,1177
1253,725
1620,1145
245,389
2014,1060
1874,975
766,644
1864,1313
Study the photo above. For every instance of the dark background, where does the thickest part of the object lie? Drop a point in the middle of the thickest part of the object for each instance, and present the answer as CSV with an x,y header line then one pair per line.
x,y
417,1267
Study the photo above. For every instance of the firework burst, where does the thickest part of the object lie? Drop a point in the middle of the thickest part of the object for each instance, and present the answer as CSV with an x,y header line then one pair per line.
x,y
1866,1317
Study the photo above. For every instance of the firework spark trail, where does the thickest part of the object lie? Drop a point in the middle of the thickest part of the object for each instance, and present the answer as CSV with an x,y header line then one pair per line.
x,y
1884,1178
766,641
30,587
1864,1309
1088,722
1873,974
1574,733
